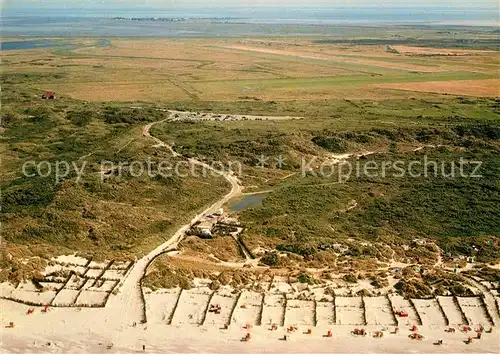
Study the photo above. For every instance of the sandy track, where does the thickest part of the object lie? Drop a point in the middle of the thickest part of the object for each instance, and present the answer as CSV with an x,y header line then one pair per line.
x,y
159,143
129,302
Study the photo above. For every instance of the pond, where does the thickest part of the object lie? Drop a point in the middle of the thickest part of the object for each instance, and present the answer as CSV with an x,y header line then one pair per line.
x,y
44,43
34,44
249,201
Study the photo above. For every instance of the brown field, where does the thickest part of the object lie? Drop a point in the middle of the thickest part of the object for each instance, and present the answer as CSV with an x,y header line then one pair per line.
x,y
222,248
373,56
228,91
479,88
119,91
163,70
439,51
332,57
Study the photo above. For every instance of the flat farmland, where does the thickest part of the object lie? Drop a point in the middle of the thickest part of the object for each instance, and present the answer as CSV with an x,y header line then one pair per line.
x,y
479,88
376,58
120,91
163,70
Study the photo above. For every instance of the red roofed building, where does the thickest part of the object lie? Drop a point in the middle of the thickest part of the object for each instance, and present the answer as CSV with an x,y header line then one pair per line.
x,y
49,95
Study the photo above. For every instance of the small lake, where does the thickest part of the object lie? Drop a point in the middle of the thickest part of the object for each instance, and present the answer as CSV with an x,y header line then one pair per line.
x,y
44,43
34,44
249,201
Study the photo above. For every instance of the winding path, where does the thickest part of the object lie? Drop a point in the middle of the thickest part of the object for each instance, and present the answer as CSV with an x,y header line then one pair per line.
x,y
129,302
159,142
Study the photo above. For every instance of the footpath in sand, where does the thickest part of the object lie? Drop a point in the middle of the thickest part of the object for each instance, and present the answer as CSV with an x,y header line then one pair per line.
x,y
129,302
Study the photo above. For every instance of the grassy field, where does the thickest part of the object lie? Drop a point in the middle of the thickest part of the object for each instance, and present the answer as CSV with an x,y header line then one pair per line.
x,y
357,96
305,213
165,70
115,216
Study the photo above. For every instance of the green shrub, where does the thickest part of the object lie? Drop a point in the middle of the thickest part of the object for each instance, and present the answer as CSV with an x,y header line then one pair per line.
x,y
332,144
350,278
271,259
80,118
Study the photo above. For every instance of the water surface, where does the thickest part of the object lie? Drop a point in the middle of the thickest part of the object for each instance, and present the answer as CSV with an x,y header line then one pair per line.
x,y
249,201
44,43
34,44
284,21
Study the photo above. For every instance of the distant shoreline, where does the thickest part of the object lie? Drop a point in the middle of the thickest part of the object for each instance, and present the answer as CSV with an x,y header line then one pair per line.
x,y
21,20
180,27
236,22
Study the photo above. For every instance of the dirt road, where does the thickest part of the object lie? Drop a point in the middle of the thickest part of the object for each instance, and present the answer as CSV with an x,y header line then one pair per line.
x,y
159,143
129,301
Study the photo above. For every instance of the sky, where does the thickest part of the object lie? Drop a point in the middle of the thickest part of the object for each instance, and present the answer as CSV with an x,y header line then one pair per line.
x,y
178,4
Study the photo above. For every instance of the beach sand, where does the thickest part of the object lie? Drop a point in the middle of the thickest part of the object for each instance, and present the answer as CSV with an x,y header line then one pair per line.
x,y
92,330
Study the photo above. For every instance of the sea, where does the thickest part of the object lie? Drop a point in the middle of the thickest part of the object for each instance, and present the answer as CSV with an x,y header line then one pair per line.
x,y
67,22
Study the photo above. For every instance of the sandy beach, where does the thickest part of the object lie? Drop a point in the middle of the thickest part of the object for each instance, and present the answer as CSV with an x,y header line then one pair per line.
x,y
89,330
88,313
83,306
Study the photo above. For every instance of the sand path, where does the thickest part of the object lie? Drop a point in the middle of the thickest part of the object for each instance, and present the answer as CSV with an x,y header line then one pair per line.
x,y
159,143
129,302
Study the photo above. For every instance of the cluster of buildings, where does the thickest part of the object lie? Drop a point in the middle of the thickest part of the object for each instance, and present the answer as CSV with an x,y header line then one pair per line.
x,y
215,224
170,19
